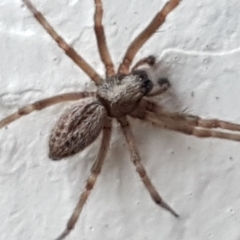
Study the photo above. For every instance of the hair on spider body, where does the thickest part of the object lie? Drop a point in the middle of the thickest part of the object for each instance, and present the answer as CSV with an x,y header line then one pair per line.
x,y
82,123
77,128
120,94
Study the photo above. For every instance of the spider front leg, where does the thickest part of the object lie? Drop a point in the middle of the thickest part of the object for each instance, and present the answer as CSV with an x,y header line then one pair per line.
x,y
101,39
44,103
70,51
138,42
135,157
95,171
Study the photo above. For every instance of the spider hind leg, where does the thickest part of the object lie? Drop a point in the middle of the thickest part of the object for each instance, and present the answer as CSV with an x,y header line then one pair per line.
x,y
135,157
95,171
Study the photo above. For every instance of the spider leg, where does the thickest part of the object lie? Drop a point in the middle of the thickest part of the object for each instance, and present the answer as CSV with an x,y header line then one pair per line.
x,y
135,157
47,102
101,39
193,120
95,171
186,128
138,42
200,122
70,52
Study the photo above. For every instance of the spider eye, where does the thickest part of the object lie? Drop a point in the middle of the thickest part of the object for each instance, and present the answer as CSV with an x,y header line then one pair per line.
x,y
142,75
147,84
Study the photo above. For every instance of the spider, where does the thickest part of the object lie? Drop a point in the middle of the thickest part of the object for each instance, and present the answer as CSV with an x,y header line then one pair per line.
x,y
119,95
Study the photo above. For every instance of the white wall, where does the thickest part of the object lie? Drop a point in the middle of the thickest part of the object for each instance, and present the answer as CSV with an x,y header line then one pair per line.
x,y
199,51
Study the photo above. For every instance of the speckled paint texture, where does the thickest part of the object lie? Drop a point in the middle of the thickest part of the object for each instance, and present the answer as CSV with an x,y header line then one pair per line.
x,y
198,49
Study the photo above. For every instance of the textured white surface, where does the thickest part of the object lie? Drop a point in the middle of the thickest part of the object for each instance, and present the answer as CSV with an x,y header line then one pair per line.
x,y
199,50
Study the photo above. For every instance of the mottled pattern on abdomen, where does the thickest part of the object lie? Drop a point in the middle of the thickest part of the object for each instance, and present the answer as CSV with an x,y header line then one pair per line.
x,y
78,127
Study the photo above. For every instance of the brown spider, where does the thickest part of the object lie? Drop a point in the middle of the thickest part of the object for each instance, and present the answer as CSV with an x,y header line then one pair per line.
x,y
119,95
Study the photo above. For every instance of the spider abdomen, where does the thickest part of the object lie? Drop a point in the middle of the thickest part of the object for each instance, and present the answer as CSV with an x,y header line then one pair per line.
x,y
78,127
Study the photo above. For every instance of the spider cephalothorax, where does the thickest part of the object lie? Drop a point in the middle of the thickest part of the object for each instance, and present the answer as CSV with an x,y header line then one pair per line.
x,y
120,95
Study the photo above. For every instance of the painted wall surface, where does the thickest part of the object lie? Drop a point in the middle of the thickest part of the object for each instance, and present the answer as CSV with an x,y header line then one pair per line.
x,y
198,49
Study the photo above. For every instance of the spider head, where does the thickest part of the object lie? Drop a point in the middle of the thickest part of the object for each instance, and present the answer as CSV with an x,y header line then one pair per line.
x,y
146,84
120,94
